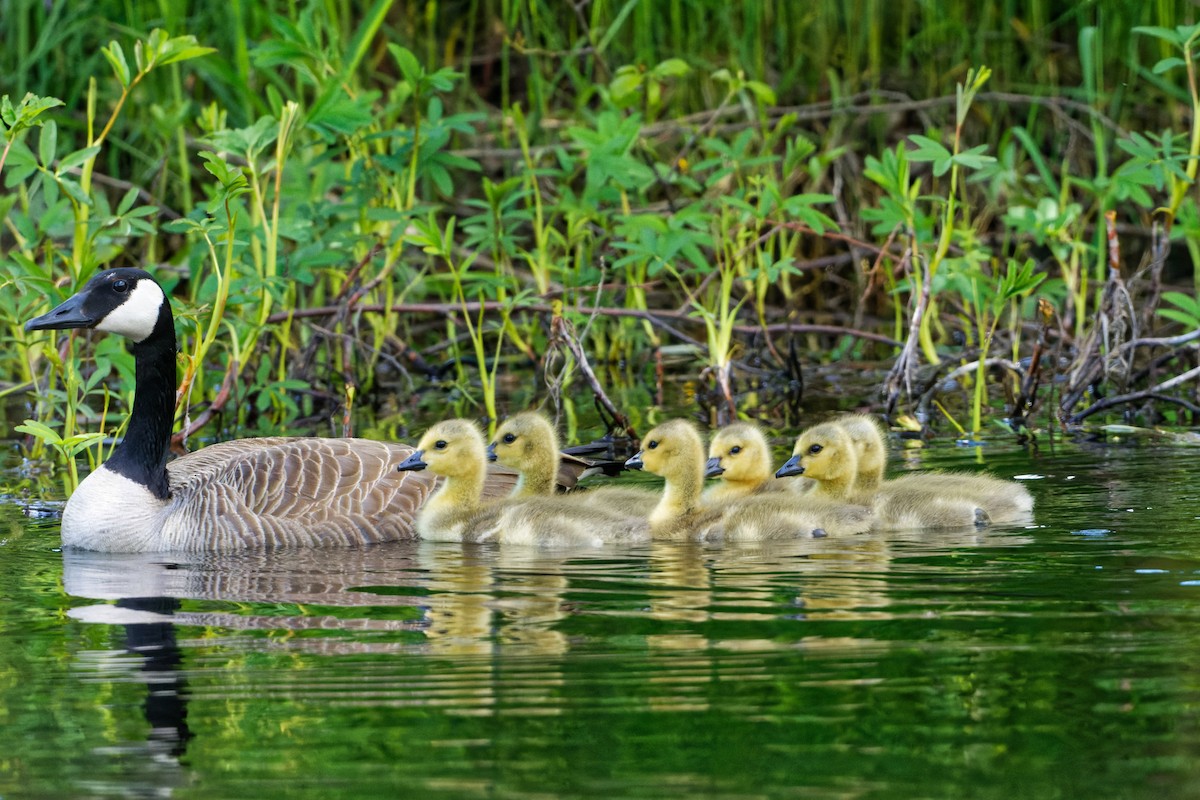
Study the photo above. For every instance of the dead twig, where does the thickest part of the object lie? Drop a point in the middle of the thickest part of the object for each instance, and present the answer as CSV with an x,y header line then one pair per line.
x,y
562,334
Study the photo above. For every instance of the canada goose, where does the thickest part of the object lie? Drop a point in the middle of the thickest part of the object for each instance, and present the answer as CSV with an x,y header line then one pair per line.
x,y
455,450
675,451
527,443
246,493
740,456
827,454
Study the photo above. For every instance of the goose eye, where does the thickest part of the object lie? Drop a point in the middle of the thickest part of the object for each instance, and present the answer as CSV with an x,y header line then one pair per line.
x,y
652,445
440,444
120,286
509,438
733,451
816,448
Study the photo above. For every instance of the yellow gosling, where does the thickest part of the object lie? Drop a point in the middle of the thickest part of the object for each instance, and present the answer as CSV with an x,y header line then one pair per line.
x,y
827,454
528,443
740,456
870,448
1001,501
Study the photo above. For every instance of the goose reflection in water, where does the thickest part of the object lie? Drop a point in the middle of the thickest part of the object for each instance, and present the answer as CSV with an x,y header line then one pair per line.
x,y
149,634
500,617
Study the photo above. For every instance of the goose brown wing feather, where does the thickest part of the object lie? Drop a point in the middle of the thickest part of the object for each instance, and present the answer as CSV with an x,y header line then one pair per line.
x,y
280,492
275,492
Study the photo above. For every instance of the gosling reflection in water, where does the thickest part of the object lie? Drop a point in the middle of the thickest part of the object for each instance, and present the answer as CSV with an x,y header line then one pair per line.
x,y
484,598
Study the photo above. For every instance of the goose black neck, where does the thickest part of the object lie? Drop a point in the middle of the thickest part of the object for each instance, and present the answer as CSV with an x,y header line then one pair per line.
x,y
142,454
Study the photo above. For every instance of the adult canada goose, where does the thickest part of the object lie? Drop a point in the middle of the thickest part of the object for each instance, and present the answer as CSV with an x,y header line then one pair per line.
x,y
675,451
454,449
739,455
246,493
527,443
827,454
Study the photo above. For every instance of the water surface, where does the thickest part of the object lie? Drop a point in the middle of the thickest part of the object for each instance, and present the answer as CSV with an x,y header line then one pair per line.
x,y
1050,661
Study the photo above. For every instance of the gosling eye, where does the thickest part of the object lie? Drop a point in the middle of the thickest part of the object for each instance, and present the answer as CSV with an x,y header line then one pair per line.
x,y
440,444
120,286
733,451
509,438
652,445
816,448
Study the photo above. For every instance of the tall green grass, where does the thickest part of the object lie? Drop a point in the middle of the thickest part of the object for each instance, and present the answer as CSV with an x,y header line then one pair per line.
x,y
725,179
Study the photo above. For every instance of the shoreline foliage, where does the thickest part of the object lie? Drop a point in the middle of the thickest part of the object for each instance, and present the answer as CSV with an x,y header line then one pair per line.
x,y
353,204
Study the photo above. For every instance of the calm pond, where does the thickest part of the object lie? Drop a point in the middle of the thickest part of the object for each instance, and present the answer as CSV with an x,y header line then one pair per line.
x,y
1058,660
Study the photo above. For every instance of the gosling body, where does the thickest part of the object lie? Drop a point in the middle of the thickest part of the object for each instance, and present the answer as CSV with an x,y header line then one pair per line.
x,y
999,500
828,454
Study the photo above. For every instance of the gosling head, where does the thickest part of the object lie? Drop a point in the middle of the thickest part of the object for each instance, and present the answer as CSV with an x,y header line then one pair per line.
x,y
127,302
670,450
453,448
739,453
524,441
823,453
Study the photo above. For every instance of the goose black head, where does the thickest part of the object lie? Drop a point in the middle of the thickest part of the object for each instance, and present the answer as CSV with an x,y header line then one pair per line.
x,y
125,301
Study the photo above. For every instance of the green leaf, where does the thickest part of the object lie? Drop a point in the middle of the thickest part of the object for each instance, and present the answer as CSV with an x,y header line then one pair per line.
x,y
974,158
340,114
762,93
76,159
41,431
410,67
186,54
1187,320
1187,303
364,36
624,87
76,444
116,58
48,143
929,150
127,201
1168,64
1166,34
73,190
671,68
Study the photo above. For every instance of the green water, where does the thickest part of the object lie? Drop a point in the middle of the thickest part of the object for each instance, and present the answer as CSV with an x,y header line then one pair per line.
x,y
1051,661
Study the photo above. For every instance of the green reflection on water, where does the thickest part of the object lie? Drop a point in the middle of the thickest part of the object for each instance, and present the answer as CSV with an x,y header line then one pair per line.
x,y
1056,661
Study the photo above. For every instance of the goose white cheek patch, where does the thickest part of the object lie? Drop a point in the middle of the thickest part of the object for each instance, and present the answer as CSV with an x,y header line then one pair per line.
x,y
137,316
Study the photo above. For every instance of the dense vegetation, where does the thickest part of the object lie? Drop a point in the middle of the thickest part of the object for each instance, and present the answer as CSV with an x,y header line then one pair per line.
x,y
994,204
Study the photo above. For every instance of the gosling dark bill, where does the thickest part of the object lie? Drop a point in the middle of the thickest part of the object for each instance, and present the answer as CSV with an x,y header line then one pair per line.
x,y
790,467
413,462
